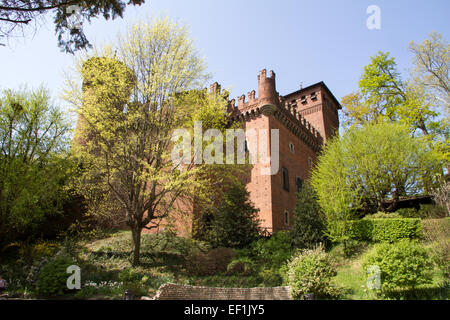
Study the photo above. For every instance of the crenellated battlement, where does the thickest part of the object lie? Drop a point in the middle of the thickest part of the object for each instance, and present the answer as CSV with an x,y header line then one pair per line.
x,y
270,102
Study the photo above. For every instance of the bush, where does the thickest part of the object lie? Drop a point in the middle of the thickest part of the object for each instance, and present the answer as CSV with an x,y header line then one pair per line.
x,y
383,215
408,213
30,252
241,266
310,272
129,275
381,229
403,265
308,228
436,233
274,251
432,211
271,277
210,263
52,280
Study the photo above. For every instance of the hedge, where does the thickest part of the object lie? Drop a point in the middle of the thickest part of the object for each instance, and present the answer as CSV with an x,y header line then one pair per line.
x,y
385,229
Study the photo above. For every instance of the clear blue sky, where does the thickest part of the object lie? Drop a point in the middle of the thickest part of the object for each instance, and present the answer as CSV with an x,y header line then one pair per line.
x,y
301,40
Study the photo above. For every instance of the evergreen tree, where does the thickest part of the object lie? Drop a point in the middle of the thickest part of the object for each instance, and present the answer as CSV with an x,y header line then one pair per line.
x,y
308,228
234,221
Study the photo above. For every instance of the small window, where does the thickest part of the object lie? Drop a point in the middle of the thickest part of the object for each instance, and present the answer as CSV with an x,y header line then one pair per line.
x,y
310,162
285,178
291,147
313,95
298,183
286,217
245,146
303,99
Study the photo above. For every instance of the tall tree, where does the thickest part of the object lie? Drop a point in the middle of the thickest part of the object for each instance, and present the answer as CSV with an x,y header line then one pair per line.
x,y
234,222
431,60
384,96
371,168
20,16
132,104
33,160
308,229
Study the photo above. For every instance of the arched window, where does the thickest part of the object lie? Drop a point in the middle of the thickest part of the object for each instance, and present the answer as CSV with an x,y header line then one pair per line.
x,y
291,147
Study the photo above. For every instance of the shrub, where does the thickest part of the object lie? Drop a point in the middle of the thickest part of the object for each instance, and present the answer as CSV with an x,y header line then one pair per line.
x,y
381,229
274,251
52,280
432,211
383,215
403,265
308,228
310,272
243,266
29,252
129,275
209,263
408,213
271,277
436,233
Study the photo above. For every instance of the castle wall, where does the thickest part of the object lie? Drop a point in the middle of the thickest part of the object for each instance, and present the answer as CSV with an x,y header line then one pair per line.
x,y
297,164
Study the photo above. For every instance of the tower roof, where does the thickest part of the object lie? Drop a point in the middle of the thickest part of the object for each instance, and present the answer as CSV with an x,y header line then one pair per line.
x,y
318,84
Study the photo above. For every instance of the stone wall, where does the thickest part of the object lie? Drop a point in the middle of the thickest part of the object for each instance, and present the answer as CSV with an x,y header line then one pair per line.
x,y
171,291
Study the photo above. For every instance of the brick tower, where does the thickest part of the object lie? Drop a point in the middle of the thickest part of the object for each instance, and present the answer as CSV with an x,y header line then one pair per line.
x,y
306,119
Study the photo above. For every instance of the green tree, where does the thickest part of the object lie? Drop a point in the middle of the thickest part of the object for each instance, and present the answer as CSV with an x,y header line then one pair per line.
x,y
384,96
18,16
368,170
34,163
131,106
234,222
308,228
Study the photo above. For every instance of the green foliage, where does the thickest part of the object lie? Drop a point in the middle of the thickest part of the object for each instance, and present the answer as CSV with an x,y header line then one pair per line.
x,y
436,234
368,170
384,97
52,280
34,135
432,211
271,277
275,251
382,229
134,105
209,263
70,39
234,222
309,227
384,215
408,213
241,266
29,252
129,275
403,265
310,271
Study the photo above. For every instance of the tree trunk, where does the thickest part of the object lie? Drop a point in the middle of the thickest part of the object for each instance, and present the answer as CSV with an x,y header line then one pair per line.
x,y
136,234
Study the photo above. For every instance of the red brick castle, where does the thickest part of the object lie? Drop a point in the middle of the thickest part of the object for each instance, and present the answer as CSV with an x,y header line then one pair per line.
x,y
306,119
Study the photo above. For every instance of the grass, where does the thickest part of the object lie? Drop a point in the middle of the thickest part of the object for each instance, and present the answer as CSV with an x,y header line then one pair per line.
x,y
107,271
351,276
